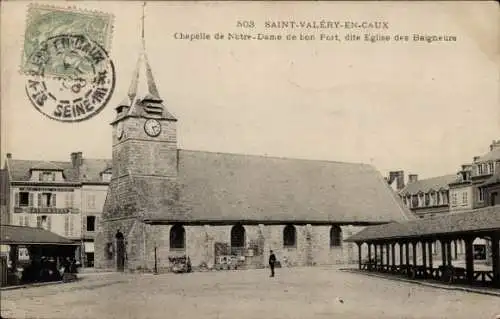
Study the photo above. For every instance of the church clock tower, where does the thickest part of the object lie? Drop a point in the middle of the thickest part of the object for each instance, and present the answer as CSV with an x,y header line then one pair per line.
x,y
144,132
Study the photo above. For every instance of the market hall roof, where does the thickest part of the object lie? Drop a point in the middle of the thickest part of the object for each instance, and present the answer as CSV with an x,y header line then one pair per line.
x,y
429,184
484,219
23,235
217,187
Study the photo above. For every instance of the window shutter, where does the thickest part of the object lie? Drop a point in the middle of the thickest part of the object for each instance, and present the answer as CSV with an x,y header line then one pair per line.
x,y
30,203
49,222
53,200
16,195
96,223
38,221
66,225
53,176
71,225
40,200
66,198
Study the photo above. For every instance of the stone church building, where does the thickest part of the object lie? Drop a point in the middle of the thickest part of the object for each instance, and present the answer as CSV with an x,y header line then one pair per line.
x,y
164,201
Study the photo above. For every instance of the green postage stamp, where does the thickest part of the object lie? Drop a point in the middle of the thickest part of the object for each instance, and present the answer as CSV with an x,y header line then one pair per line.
x,y
44,22
69,75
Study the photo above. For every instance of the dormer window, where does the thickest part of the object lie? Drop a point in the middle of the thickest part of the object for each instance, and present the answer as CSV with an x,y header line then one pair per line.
x,y
47,176
106,177
106,174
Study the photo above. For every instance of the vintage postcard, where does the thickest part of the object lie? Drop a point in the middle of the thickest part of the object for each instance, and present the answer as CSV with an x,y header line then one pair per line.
x,y
263,159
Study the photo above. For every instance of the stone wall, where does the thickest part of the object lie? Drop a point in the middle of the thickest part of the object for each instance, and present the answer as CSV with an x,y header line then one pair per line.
x,y
105,243
312,245
138,153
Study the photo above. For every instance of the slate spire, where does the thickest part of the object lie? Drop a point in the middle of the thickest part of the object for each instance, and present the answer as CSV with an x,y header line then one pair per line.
x,y
143,93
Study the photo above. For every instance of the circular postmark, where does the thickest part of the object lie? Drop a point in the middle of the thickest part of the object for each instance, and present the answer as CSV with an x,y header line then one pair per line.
x,y
70,78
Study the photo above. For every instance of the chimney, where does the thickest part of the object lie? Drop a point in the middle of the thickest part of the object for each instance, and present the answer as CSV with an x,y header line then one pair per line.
x,y
399,177
76,159
9,155
412,178
476,158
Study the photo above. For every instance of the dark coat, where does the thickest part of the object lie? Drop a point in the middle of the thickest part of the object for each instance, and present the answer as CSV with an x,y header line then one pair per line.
x,y
272,259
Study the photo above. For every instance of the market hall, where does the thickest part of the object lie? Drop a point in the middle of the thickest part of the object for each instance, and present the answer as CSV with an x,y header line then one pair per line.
x,y
416,239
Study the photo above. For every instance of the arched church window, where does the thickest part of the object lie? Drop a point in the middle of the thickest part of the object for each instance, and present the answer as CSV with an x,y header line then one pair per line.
x,y
335,236
238,236
289,236
177,237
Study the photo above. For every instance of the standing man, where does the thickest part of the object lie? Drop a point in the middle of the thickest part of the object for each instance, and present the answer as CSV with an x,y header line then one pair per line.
x,y
272,261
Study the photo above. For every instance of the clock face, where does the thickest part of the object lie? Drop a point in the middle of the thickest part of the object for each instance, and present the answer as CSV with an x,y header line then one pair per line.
x,y
119,130
152,127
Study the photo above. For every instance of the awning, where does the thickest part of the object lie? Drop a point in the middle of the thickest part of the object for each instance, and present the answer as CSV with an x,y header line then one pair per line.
x,y
22,235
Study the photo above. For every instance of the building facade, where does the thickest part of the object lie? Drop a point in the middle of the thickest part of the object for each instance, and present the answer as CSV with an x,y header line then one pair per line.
x,y
165,202
461,191
476,186
483,169
427,197
50,195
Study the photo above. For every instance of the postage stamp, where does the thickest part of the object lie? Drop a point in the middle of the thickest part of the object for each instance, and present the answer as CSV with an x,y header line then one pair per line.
x,y
69,78
69,75
44,22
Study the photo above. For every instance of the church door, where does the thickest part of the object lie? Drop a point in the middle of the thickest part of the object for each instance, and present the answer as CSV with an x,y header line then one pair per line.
x,y
120,252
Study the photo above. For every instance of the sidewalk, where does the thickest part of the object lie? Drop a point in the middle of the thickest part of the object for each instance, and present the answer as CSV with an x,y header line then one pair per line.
x,y
38,284
94,275
457,287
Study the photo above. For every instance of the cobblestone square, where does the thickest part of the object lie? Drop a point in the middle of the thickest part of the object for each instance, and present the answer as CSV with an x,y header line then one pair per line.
x,y
295,293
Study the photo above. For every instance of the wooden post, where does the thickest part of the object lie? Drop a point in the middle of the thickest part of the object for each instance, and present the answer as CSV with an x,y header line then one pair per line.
x,y
156,264
495,253
369,252
469,259
359,255
387,251
455,243
414,250
424,256
430,257
407,253
443,251
382,256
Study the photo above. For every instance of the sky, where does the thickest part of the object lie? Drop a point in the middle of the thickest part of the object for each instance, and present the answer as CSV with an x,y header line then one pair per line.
x,y
425,108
